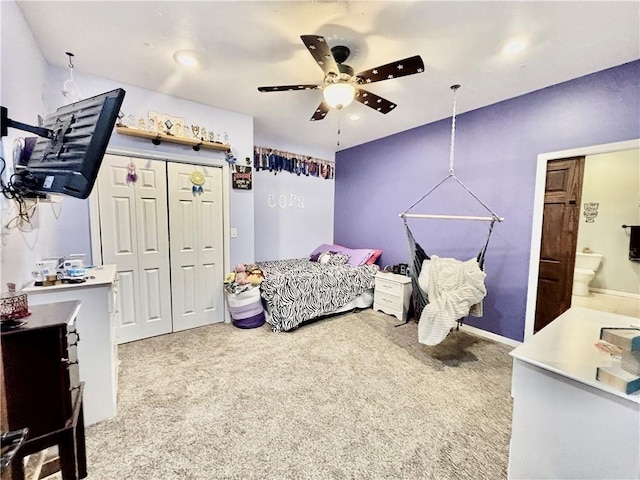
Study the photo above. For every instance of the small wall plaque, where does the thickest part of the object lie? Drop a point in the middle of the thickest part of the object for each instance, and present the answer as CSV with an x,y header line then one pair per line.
x,y
590,212
241,177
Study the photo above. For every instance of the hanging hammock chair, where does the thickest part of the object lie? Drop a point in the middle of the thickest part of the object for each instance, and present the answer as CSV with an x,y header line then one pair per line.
x,y
417,254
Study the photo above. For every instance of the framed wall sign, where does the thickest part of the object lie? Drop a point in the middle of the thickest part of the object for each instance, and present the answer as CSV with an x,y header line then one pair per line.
x,y
241,177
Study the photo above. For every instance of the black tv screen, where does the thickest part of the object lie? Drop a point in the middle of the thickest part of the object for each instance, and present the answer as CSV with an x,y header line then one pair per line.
x,y
68,160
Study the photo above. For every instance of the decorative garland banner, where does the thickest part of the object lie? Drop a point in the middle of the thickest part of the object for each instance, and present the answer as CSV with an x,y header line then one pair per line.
x,y
276,161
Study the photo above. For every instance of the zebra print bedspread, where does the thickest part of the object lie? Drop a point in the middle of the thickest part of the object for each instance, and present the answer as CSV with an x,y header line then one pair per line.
x,y
297,290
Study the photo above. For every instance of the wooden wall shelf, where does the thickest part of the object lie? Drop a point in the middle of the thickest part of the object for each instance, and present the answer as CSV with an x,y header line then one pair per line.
x,y
158,138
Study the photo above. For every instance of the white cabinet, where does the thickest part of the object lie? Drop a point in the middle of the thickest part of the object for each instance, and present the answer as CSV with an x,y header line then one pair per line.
x,y
392,294
96,325
567,424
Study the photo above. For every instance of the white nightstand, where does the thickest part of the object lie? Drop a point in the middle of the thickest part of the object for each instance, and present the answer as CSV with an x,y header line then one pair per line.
x,y
392,294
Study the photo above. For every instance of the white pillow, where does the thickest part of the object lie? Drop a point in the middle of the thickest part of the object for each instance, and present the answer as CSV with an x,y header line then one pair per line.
x,y
423,278
332,258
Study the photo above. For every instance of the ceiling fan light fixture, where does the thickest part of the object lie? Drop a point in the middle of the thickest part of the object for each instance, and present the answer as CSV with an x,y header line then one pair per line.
x,y
339,95
514,46
341,85
186,58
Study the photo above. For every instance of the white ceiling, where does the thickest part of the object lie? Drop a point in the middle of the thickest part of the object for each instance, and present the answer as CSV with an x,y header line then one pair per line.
x,y
244,45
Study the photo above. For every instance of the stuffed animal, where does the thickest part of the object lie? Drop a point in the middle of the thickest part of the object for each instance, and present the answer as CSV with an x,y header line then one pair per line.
x,y
245,275
242,278
255,276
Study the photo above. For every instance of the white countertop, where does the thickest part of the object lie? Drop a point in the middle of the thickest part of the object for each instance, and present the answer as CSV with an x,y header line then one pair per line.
x,y
100,275
567,347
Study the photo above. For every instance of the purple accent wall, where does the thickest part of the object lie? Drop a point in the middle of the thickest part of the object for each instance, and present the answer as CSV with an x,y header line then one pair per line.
x,y
495,156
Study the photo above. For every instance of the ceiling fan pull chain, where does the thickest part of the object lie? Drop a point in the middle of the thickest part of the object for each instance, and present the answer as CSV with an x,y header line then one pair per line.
x,y
339,115
453,129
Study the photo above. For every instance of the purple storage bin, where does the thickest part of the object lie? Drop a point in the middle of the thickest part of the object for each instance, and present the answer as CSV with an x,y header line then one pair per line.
x,y
250,322
246,308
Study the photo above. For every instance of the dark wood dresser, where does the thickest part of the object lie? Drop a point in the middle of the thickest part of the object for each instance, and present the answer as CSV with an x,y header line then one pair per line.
x,y
42,386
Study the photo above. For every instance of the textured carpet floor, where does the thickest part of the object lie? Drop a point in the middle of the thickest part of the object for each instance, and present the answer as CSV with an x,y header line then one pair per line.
x,y
349,397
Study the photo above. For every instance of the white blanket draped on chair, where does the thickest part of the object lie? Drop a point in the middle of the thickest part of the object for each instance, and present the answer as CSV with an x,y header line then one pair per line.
x,y
453,288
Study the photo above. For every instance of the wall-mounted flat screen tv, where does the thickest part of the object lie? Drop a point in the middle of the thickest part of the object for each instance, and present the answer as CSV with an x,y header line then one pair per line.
x,y
70,147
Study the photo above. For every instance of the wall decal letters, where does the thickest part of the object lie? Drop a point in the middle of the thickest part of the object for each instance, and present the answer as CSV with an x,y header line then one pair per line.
x,y
284,201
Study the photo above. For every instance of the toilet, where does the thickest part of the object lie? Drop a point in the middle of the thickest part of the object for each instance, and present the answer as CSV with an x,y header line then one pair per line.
x,y
586,267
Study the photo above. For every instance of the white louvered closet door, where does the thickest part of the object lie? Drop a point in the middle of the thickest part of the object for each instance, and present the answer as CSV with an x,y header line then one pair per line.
x,y
196,229
134,235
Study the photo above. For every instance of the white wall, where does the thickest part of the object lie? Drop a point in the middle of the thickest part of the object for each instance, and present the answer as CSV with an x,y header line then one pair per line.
x,y
293,214
613,181
139,101
22,87
31,87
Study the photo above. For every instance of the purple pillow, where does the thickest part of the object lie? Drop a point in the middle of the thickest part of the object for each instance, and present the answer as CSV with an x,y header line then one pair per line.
x,y
357,256
325,247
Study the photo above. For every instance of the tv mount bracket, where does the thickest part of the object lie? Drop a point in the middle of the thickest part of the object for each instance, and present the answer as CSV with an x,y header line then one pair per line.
x,y
56,136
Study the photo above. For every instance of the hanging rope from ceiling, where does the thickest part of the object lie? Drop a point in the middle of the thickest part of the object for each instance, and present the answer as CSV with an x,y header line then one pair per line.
x,y
494,216
70,88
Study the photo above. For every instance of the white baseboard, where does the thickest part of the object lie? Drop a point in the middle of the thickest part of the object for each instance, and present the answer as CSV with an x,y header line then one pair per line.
x,y
491,336
615,293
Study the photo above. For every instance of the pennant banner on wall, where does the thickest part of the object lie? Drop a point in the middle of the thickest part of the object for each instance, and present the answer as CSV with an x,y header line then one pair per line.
x,y
272,160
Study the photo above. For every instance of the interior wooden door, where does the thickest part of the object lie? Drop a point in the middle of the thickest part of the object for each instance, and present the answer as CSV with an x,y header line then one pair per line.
x,y
196,226
135,237
563,191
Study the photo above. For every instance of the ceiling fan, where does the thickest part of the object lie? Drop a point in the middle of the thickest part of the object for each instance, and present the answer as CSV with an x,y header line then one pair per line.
x,y
341,86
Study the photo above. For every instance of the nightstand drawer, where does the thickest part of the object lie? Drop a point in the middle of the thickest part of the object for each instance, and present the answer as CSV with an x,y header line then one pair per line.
x,y
388,287
393,302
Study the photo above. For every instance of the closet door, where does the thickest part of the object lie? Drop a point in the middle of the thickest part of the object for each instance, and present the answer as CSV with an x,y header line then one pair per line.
x,y
134,234
196,224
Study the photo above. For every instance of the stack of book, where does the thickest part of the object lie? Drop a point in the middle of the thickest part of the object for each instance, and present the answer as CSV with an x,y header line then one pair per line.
x,y
623,376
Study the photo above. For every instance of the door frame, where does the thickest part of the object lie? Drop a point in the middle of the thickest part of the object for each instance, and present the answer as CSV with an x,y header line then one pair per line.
x,y
94,210
538,209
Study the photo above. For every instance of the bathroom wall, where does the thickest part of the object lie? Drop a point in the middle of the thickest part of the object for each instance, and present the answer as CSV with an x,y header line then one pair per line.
x,y
612,181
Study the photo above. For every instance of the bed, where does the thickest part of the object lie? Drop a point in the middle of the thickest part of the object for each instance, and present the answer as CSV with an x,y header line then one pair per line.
x,y
298,290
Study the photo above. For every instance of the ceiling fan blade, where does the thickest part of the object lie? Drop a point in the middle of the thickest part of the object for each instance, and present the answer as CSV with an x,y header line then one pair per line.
x,y
321,111
372,100
285,88
321,52
401,68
